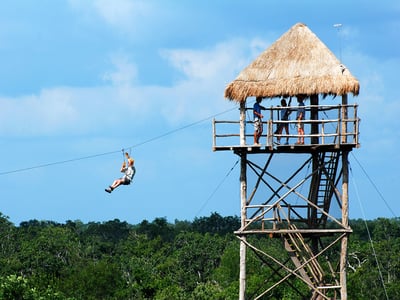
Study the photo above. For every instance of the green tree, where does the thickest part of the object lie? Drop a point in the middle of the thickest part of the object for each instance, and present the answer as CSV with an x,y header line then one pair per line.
x,y
93,281
216,224
196,257
16,288
208,290
158,228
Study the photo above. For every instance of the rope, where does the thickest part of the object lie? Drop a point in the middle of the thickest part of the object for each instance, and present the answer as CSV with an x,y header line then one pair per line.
x,y
115,151
58,162
369,236
217,188
375,187
306,175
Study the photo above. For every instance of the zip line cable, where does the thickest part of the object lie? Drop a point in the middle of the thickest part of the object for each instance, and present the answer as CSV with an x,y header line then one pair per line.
x,y
178,129
57,163
217,188
115,151
369,236
364,218
375,187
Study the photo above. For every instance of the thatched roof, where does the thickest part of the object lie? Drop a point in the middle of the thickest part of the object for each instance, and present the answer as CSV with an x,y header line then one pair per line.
x,y
297,63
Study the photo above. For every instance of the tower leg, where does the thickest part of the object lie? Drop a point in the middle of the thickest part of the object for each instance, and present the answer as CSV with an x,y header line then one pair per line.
x,y
243,196
243,199
242,279
345,221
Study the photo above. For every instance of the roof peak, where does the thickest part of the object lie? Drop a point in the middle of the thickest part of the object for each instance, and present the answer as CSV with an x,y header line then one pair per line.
x,y
298,62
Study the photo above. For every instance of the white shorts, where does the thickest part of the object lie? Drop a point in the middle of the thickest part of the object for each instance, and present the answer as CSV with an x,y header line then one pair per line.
x,y
258,126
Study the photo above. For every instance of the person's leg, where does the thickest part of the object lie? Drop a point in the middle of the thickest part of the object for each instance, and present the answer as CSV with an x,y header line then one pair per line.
x,y
287,133
301,132
257,131
302,136
258,138
260,131
279,131
298,133
116,183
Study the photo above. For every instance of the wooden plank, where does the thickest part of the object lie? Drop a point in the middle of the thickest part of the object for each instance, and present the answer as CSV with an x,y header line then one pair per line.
x,y
285,231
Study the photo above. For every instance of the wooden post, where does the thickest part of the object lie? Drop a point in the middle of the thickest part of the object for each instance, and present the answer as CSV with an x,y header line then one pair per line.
x,y
345,202
243,198
344,118
243,194
313,197
345,222
242,121
214,134
314,116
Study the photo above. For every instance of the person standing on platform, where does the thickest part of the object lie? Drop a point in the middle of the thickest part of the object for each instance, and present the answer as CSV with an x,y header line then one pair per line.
x,y
301,112
257,116
285,112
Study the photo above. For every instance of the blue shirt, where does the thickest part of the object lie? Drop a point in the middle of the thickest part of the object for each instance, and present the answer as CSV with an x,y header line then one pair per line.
x,y
284,113
256,108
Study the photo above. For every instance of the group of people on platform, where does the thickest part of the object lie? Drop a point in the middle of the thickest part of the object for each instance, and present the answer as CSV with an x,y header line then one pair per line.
x,y
284,116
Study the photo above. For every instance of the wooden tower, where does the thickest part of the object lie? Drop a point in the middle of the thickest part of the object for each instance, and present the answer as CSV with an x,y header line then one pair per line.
x,y
294,197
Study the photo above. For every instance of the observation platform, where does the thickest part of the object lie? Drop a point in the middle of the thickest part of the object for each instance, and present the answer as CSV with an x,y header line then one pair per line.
x,y
331,128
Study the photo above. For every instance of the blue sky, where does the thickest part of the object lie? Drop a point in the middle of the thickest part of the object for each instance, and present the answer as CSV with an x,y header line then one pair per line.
x,y
82,80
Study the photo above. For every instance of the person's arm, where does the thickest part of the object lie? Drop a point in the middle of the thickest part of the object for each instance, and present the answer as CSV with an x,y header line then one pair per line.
x,y
123,167
258,115
301,114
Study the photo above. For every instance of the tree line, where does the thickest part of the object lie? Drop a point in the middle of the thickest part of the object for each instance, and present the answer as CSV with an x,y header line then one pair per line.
x,y
197,259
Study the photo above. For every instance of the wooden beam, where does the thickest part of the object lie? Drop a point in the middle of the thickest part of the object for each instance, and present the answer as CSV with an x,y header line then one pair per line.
x,y
243,198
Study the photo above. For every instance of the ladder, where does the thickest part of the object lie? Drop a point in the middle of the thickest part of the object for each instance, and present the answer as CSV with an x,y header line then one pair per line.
x,y
306,265
323,186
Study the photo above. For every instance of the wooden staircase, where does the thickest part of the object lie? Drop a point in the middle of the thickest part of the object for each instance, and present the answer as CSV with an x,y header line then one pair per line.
x,y
323,186
306,264
303,258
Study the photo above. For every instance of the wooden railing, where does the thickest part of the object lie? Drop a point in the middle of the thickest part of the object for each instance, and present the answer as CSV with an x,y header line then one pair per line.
x,y
329,129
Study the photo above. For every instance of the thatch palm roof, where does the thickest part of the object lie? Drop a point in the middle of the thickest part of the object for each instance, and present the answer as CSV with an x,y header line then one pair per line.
x,y
297,63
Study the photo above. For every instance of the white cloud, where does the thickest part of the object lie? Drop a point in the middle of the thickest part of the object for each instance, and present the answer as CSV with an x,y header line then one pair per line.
x,y
206,72
124,15
226,59
64,110
36,113
197,96
120,13
125,73
76,110
379,103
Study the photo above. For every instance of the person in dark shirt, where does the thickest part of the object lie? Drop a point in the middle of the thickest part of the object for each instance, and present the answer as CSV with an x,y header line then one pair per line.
x,y
285,112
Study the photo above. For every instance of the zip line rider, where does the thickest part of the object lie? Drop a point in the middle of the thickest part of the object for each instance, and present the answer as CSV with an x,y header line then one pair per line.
x,y
128,176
